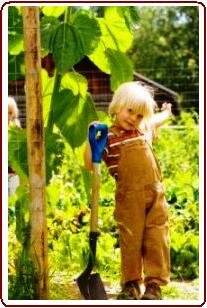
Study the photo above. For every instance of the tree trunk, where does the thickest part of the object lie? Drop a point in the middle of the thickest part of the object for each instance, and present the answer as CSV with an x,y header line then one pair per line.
x,y
35,148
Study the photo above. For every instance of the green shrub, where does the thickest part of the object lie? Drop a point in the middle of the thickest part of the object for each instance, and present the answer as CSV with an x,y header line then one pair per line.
x,y
178,154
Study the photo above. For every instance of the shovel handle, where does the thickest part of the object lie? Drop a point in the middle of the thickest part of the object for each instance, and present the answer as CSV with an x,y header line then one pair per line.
x,y
95,197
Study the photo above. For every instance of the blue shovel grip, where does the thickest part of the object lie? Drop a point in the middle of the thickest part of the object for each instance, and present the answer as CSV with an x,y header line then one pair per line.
x,y
97,138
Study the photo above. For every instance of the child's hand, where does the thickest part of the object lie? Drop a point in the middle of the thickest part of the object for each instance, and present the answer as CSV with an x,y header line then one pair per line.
x,y
167,107
159,118
97,138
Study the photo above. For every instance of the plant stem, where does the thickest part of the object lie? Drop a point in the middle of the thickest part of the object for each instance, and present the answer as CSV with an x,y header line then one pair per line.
x,y
56,88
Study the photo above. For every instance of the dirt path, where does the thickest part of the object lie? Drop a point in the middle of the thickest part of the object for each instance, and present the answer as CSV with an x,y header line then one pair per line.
x,y
178,290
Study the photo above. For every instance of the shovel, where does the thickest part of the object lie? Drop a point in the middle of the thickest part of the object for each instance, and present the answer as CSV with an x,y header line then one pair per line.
x,y
90,284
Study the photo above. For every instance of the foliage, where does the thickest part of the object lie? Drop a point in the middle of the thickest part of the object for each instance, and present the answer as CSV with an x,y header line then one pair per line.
x,y
77,110
22,275
22,284
165,48
178,154
18,152
177,290
15,45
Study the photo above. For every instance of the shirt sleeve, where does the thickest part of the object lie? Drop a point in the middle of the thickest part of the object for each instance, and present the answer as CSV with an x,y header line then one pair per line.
x,y
150,132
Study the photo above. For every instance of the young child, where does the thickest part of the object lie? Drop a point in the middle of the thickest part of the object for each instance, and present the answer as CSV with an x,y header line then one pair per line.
x,y
13,113
141,208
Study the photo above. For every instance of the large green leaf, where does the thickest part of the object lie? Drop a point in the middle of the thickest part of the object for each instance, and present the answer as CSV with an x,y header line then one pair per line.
x,y
15,23
67,49
86,175
64,107
72,42
17,151
89,32
115,35
16,66
86,114
75,82
48,26
47,90
99,58
15,44
15,31
121,67
72,114
54,11
131,16
128,13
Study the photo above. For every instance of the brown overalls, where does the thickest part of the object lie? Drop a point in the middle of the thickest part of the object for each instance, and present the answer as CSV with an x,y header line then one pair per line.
x,y
141,214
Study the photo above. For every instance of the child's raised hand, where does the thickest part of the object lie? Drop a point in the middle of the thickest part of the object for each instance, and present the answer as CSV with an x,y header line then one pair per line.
x,y
167,107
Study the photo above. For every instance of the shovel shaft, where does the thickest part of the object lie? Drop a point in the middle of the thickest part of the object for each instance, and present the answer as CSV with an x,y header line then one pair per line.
x,y
95,197
91,285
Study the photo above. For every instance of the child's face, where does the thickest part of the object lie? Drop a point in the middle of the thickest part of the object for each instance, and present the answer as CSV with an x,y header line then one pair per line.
x,y
128,119
11,113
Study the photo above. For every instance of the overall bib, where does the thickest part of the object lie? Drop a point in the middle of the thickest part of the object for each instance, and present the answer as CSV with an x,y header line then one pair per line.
x,y
141,214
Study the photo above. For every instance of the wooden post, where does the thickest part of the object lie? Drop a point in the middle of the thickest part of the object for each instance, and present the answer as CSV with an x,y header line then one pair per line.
x,y
35,148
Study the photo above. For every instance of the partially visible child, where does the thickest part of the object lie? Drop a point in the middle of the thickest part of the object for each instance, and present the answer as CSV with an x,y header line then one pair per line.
x,y
141,209
13,112
13,120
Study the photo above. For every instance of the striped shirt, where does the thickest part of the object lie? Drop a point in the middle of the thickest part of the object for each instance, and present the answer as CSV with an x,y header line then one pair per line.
x,y
116,137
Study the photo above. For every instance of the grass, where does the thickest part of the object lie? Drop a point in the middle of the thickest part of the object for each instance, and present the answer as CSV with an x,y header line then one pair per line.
x,y
182,290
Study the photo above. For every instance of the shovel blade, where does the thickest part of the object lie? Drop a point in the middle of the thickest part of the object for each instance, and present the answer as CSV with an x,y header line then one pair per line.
x,y
96,287
92,287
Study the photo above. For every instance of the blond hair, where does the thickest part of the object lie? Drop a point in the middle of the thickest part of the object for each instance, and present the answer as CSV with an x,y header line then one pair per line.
x,y
12,106
134,95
